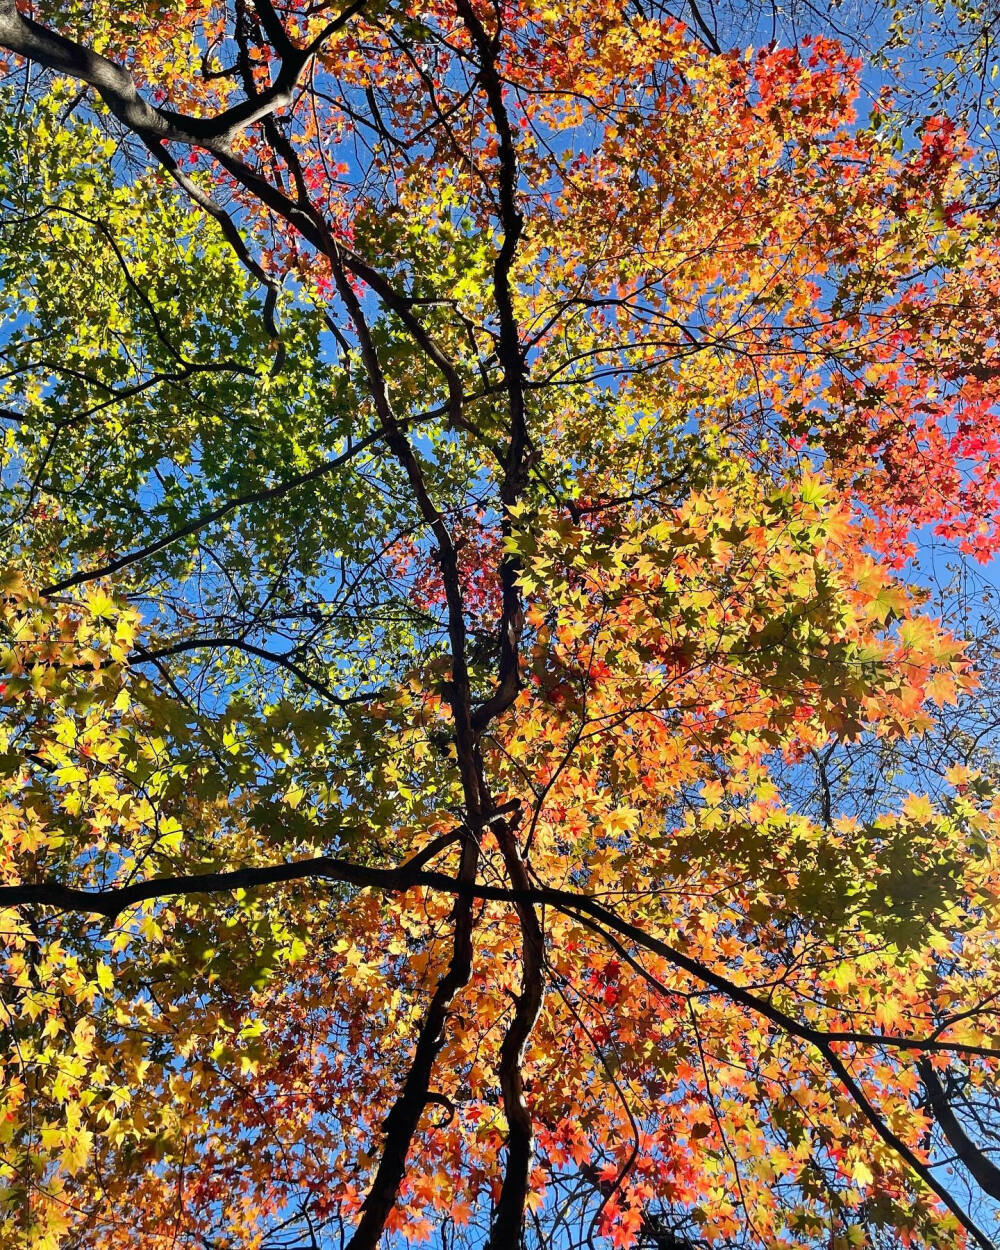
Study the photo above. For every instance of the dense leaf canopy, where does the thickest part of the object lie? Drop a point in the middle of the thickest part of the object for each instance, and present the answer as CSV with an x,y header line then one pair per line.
x,y
497,702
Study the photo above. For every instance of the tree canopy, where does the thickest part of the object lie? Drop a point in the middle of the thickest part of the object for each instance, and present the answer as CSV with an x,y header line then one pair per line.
x,y
498,696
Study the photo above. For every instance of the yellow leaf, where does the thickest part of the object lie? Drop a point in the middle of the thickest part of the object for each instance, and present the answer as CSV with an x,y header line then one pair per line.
x,y
861,1173
100,603
843,977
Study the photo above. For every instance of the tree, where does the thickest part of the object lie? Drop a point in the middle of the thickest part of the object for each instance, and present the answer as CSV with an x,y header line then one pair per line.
x,y
478,760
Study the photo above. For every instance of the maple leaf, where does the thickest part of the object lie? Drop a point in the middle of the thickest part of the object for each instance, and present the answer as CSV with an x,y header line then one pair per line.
x,y
470,741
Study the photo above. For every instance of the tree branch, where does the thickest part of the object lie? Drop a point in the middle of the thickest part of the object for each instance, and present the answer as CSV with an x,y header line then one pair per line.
x,y
983,1170
272,657
512,362
117,88
208,518
579,907
509,1216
